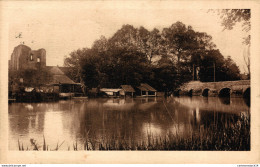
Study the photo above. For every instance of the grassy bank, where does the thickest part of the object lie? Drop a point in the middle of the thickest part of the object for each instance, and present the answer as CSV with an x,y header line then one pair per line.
x,y
229,137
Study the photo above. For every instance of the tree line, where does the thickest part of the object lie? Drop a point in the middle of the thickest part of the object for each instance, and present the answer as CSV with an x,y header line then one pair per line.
x,y
164,59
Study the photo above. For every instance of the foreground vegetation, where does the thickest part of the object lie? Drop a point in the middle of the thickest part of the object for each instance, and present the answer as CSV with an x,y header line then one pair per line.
x,y
229,137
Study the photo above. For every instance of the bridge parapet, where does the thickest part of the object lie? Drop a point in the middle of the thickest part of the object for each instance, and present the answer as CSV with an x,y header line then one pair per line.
x,y
233,88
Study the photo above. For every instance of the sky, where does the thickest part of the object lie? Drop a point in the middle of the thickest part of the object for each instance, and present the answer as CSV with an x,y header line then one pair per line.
x,y
62,27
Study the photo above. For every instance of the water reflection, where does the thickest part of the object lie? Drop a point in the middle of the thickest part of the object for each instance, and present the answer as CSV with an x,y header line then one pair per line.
x,y
225,100
215,104
127,119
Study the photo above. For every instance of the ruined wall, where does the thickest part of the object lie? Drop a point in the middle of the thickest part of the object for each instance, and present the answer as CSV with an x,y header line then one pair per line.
x,y
25,58
17,56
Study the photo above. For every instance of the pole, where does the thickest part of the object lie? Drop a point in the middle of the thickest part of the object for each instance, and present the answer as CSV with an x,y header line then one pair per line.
x,y
193,72
214,72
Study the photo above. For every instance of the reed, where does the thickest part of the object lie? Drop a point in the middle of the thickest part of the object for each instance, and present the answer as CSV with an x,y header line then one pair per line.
x,y
44,144
75,146
34,144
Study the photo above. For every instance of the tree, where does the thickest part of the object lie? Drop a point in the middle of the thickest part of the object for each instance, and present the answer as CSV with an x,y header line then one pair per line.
x,y
122,66
126,37
127,58
177,40
100,45
225,69
111,68
246,56
88,69
165,74
187,48
232,71
30,77
230,17
140,39
73,62
149,42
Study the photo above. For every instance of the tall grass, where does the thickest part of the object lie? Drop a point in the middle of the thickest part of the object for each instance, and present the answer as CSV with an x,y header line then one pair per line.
x,y
232,136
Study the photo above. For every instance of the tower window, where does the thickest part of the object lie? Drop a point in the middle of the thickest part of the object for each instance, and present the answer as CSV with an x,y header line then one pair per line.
x,y
38,60
31,57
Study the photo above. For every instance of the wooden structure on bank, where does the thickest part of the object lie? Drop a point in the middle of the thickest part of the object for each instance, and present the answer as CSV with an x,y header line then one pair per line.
x,y
146,90
63,85
111,92
127,90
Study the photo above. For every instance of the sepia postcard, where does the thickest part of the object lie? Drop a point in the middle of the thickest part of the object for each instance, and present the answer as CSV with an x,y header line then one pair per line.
x,y
112,82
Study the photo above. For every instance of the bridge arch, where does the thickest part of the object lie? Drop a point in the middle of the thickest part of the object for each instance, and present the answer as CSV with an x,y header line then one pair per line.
x,y
205,92
190,92
246,93
224,92
177,92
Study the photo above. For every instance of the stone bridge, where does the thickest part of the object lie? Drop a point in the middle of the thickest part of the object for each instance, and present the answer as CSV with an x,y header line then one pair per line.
x,y
240,88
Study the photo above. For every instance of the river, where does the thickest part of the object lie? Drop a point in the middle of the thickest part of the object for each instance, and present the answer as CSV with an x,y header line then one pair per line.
x,y
132,119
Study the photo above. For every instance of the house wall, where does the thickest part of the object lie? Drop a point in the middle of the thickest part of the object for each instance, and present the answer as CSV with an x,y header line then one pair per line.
x,y
109,93
122,93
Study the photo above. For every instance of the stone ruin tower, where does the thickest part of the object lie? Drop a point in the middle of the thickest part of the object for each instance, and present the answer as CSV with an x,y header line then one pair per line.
x,y
23,57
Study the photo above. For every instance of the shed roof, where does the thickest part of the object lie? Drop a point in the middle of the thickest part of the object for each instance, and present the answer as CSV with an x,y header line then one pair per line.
x,y
127,88
146,87
55,70
65,70
58,76
62,79
109,90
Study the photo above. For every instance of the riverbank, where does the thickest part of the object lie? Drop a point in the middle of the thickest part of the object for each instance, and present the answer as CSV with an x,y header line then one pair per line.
x,y
31,97
34,97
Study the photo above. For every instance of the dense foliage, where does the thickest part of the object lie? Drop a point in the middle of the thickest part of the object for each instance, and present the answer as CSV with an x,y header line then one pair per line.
x,y
30,77
164,59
